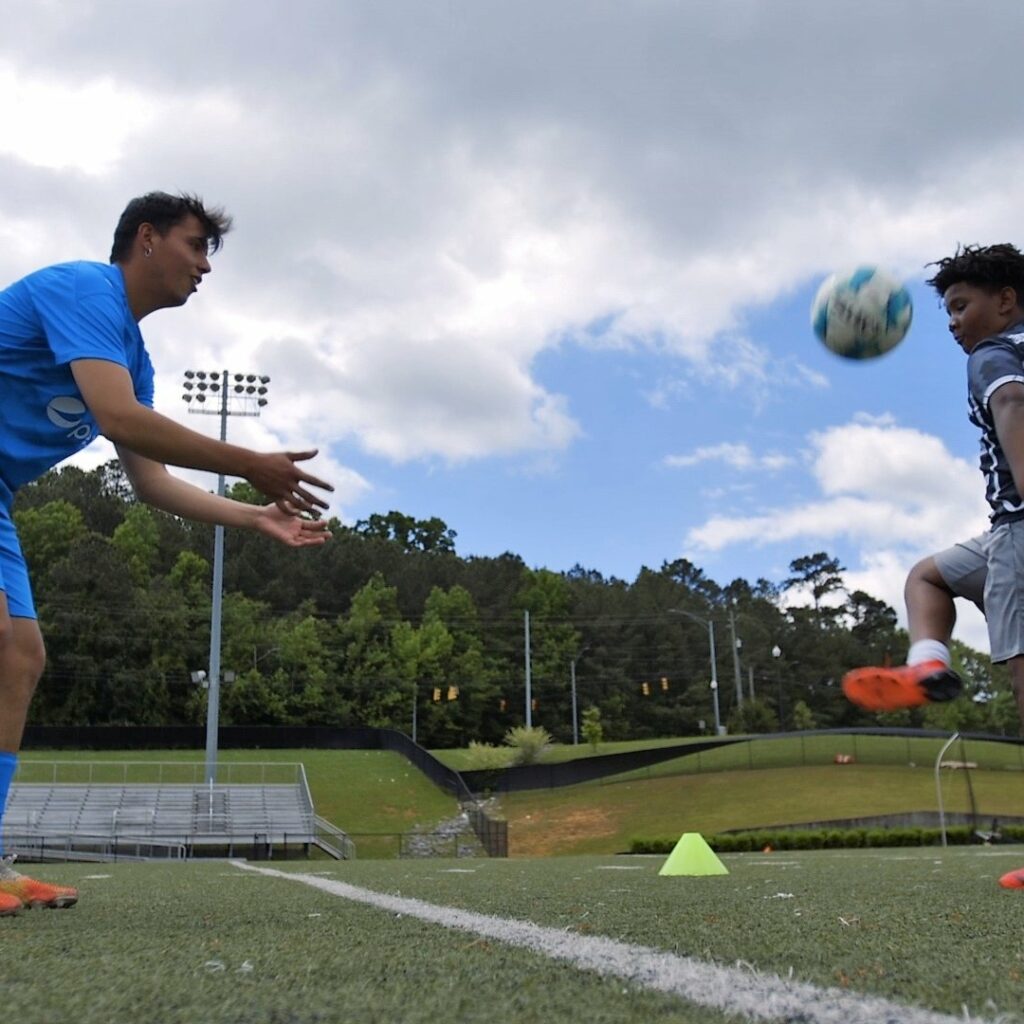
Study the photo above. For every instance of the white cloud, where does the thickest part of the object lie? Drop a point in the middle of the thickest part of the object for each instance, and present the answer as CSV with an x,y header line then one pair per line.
x,y
738,456
68,125
442,198
894,493
430,197
881,483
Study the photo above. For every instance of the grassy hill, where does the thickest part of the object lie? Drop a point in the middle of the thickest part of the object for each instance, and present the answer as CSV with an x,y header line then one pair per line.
x,y
603,818
380,793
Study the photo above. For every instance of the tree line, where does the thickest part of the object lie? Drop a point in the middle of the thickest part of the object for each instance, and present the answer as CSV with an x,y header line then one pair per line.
x,y
388,625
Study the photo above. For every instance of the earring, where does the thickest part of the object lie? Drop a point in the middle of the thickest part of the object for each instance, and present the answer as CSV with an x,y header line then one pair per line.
x,y
147,253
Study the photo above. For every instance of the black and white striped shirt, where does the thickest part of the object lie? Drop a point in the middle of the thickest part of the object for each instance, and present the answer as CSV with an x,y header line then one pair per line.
x,y
994,362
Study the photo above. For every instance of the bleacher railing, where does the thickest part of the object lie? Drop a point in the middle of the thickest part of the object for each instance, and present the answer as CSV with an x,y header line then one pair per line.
x,y
159,773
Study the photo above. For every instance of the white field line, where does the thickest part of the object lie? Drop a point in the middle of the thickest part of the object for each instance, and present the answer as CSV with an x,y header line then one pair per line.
x,y
736,990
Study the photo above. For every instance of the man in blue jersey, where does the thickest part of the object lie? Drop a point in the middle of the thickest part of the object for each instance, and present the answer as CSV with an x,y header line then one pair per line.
x,y
73,365
983,291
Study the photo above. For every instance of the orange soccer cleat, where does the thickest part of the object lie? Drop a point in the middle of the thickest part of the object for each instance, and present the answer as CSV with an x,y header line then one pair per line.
x,y
9,905
31,893
908,686
1013,879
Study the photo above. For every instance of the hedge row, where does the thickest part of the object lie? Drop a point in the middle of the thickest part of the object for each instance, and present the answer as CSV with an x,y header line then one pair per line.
x,y
830,839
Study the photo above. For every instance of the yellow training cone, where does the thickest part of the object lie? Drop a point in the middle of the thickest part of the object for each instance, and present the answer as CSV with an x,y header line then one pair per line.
x,y
693,856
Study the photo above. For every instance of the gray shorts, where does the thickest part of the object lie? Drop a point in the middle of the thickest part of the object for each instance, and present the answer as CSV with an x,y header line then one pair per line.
x,y
989,570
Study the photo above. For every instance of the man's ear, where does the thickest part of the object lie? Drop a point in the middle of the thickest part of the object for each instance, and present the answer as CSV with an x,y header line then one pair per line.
x,y
144,235
1008,300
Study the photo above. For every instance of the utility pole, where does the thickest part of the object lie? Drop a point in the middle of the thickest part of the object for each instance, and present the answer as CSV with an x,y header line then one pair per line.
x,y
710,625
529,687
736,659
572,683
414,689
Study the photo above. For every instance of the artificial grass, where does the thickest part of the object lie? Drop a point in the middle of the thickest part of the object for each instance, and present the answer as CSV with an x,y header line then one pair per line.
x,y
931,926
208,942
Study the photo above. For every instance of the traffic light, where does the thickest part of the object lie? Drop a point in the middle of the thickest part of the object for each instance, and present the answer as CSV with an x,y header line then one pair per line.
x,y
533,704
664,684
503,704
645,689
437,694
453,693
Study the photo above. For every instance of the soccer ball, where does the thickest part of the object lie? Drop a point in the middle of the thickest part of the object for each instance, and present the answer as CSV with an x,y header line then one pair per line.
x,y
861,313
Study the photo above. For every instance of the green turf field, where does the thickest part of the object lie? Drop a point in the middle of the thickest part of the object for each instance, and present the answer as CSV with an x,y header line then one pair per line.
x,y
211,943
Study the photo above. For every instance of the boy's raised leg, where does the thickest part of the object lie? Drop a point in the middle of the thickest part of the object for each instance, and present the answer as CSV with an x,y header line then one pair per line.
x,y
927,677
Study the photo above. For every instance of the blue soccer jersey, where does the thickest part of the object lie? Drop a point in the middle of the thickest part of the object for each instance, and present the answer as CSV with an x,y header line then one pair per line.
x,y
47,320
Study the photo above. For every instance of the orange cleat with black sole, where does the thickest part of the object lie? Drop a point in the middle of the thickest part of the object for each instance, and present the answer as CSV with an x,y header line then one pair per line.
x,y
31,893
907,686
9,905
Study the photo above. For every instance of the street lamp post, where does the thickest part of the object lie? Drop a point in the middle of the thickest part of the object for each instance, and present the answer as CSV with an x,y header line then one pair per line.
x,y
240,394
776,654
709,624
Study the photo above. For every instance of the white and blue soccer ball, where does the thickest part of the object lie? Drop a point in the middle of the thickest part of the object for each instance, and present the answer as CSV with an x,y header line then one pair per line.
x,y
861,313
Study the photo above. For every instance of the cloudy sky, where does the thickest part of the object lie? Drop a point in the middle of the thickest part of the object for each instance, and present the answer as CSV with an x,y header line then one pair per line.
x,y
543,269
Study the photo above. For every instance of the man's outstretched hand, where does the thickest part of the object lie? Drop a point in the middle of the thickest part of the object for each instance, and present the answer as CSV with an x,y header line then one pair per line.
x,y
278,477
290,529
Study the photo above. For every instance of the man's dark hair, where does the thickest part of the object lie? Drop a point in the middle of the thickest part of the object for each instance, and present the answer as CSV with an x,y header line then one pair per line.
x,y
991,267
164,211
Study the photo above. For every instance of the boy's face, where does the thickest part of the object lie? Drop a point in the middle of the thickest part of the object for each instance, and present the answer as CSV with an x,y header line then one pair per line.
x,y
976,313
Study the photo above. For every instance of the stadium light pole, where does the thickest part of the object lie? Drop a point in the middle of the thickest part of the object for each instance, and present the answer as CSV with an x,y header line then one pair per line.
x,y
710,626
239,394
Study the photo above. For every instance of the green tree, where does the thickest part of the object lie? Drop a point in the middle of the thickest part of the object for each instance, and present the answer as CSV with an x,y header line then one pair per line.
x,y
373,640
190,576
411,534
529,744
1001,714
754,716
803,717
137,538
593,731
554,642
818,573
47,532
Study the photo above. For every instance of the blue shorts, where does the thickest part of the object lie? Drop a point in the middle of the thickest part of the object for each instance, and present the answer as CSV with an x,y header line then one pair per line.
x,y
13,571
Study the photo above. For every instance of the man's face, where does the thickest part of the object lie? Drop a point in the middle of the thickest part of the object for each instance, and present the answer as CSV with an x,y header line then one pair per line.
x,y
976,313
179,260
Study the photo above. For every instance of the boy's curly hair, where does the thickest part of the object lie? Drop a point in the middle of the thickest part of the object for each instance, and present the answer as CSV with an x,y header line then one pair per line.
x,y
991,267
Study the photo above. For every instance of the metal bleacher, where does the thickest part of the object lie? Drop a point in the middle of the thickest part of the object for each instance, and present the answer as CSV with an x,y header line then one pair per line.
x,y
143,810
